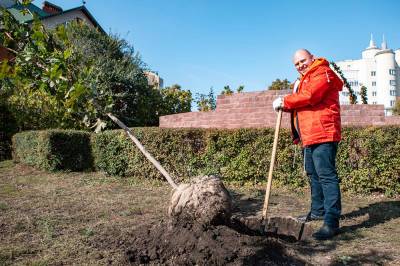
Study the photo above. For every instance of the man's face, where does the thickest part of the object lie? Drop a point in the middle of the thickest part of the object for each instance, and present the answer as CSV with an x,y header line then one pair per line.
x,y
302,61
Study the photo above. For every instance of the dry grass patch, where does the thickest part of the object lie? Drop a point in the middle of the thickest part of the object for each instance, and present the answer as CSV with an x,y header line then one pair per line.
x,y
90,218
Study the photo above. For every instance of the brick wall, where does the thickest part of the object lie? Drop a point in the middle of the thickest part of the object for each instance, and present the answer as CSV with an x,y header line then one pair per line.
x,y
254,110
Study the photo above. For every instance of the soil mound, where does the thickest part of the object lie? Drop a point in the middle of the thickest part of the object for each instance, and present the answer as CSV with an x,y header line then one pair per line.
x,y
168,244
205,200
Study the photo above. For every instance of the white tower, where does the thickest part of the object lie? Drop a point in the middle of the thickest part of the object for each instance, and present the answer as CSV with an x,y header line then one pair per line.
x,y
385,77
397,58
371,50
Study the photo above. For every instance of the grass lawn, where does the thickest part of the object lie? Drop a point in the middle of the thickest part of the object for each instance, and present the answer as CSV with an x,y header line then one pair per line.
x,y
88,218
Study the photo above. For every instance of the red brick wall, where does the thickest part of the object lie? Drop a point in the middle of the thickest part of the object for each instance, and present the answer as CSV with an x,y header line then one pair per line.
x,y
254,110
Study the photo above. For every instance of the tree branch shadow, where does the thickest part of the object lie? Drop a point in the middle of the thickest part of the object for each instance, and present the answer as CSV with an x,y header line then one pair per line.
x,y
378,213
372,215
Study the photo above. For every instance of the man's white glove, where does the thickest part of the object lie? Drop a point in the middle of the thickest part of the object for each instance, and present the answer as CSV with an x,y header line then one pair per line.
x,y
277,104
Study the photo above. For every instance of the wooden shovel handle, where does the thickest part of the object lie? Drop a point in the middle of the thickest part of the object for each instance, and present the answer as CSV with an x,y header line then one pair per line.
x,y
271,166
144,151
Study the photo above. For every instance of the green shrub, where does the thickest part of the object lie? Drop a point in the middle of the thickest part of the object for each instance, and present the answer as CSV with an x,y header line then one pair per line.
x,y
236,155
179,151
53,149
368,159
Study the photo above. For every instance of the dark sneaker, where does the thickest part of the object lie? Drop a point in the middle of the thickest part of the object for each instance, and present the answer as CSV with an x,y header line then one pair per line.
x,y
309,217
325,232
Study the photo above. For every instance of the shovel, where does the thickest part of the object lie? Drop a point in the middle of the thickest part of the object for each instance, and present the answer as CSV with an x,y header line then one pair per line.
x,y
271,166
283,226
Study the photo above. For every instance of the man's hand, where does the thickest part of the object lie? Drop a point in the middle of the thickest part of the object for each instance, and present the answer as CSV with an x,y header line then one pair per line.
x,y
277,104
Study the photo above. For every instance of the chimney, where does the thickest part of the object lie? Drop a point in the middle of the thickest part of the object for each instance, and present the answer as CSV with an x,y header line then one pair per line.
x,y
51,8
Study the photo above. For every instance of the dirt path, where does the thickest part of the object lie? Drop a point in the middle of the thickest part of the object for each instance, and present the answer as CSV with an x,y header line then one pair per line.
x,y
88,218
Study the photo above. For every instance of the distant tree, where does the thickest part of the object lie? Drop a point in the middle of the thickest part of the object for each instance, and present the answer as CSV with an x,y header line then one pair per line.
x,y
280,85
396,108
240,88
206,102
227,90
363,94
174,100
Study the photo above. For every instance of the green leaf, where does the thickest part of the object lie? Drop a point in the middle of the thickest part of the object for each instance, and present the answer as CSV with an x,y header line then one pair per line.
x,y
67,53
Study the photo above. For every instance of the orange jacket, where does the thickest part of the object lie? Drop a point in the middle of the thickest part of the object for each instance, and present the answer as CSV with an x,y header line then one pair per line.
x,y
316,103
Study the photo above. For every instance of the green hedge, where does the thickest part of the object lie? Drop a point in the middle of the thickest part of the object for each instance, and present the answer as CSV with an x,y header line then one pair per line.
x,y
54,149
368,159
179,151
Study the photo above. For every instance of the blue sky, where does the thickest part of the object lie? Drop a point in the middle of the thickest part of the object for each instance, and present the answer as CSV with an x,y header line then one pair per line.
x,y
200,44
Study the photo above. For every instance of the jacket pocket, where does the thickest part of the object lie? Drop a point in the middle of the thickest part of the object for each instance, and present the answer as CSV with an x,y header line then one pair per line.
x,y
328,123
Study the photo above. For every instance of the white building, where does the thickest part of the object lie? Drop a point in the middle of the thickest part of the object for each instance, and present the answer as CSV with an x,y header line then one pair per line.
x,y
153,79
378,70
50,14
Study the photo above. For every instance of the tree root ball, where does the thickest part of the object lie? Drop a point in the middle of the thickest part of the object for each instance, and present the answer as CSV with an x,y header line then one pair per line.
x,y
204,200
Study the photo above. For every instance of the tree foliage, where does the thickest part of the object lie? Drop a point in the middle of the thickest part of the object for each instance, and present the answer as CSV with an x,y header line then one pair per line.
x,y
206,102
240,89
227,90
396,108
71,76
280,85
352,95
174,100
363,94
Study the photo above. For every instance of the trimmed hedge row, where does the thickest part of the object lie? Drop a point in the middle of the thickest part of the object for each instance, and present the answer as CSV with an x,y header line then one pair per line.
x,y
368,159
53,149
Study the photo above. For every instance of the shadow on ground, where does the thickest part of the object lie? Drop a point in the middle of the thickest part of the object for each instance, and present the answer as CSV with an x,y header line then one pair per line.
x,y
372,215
378,213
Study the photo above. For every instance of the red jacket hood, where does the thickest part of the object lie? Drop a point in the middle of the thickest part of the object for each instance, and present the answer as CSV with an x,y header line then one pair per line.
x,y
320,62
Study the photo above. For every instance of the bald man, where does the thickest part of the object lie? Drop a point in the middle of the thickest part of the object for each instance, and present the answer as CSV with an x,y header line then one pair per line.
x,y
315,112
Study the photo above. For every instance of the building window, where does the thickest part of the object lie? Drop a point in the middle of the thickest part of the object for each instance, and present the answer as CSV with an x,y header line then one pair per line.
x,y
392,92
373,83
374,93
392,103
345,93
353,83
373,73
392,72
392,82
374,102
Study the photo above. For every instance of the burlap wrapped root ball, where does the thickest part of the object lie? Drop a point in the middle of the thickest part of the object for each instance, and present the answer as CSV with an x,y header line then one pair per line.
x,y
204,200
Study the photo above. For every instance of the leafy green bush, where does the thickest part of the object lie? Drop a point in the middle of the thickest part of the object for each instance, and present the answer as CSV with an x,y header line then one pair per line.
x,y
179,151
368,159
236,155
71,76
53,149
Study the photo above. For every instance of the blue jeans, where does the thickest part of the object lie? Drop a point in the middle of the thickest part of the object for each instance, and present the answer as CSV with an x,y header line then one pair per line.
x,y
319,163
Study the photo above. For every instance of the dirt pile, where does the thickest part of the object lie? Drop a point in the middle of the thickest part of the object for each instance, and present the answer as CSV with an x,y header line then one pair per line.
x,y
170,244
205,200
201,231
